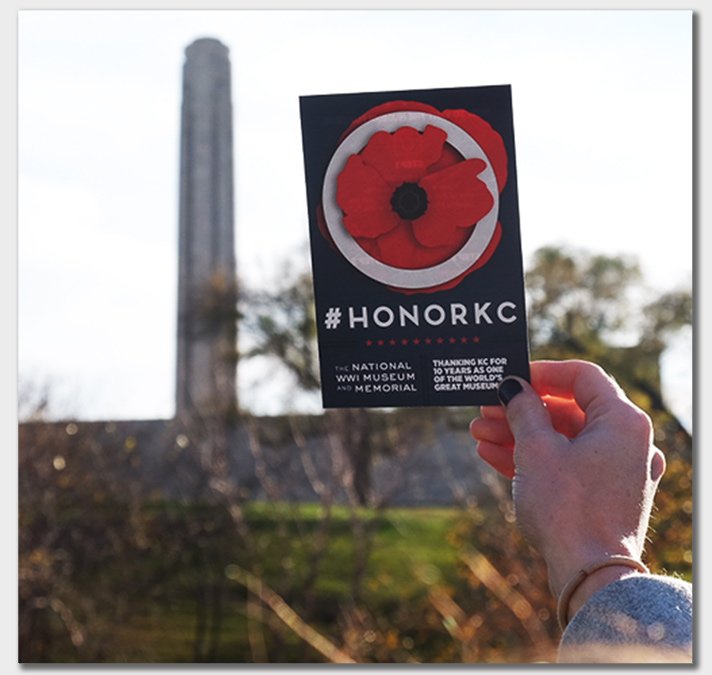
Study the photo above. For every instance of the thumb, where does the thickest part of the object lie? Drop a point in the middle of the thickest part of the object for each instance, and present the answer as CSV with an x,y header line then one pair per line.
x,y
526,412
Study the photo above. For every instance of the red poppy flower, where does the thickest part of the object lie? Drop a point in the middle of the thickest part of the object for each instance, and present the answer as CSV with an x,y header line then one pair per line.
x,y
411,200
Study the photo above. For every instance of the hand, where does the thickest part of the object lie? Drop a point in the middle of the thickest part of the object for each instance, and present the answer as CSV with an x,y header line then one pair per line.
x,y
583,464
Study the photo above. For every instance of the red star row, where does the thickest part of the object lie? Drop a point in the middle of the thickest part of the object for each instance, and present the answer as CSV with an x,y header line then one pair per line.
x,y
418,341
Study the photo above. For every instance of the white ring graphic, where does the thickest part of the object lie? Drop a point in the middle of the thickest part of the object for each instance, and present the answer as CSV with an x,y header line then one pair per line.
x,y
396,276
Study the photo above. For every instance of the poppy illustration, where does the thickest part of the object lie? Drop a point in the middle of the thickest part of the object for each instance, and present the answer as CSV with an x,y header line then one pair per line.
x,y
411,195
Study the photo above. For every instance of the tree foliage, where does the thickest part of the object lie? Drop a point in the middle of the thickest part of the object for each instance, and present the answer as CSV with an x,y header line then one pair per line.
x,y
282,324
577,302
597,308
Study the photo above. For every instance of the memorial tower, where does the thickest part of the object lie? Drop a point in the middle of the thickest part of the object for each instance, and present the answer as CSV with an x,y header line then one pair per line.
x,y
207,332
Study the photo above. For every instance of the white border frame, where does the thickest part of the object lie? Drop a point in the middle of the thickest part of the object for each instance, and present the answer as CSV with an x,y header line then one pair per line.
x,y
411,279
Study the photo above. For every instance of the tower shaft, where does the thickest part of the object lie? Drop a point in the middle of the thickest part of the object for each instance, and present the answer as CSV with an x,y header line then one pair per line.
x,y
207,333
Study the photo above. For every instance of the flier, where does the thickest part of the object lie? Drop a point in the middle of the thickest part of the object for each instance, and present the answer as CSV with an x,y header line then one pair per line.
x,y
415,242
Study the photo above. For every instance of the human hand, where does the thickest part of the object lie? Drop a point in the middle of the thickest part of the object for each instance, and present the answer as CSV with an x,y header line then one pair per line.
x,y
583,464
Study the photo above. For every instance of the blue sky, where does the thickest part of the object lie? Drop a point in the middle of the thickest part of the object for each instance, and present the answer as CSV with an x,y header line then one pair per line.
x,y
603,127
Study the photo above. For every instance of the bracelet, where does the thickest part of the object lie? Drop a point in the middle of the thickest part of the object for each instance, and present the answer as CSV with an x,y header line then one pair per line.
x,y
578,578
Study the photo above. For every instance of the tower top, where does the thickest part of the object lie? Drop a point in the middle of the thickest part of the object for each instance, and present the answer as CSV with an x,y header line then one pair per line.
x,y
207,46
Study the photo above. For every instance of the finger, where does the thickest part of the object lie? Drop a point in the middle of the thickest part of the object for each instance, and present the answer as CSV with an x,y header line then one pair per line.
x,y
493,412
566,417
494,431
657,466
586,383
526,412
498,457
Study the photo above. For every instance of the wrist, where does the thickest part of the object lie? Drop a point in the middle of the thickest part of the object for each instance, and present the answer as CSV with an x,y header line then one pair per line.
x,y
568,560
592,578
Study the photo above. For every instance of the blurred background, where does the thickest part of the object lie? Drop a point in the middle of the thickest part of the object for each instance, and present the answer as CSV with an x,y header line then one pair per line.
x,y
282,533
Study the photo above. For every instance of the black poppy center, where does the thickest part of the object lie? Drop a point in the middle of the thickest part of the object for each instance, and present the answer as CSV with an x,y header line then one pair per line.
x,y
409,201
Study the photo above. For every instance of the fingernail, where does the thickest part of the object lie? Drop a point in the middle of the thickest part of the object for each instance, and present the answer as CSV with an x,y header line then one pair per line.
x,y
508,389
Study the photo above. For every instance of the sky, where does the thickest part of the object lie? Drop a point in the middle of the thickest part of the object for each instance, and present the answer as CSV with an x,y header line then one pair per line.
x,y
602,105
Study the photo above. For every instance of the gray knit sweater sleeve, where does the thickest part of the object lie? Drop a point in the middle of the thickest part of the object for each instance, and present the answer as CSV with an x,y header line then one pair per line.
x,y
638,619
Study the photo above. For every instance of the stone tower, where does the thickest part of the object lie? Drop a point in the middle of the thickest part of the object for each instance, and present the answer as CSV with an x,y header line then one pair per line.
x,y
207,333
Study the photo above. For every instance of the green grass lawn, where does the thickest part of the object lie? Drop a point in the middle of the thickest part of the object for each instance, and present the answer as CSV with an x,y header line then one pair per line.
x,y
407,552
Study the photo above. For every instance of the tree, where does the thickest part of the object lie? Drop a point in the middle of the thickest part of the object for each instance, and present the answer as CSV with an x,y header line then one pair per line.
x,y
594,307
282,324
